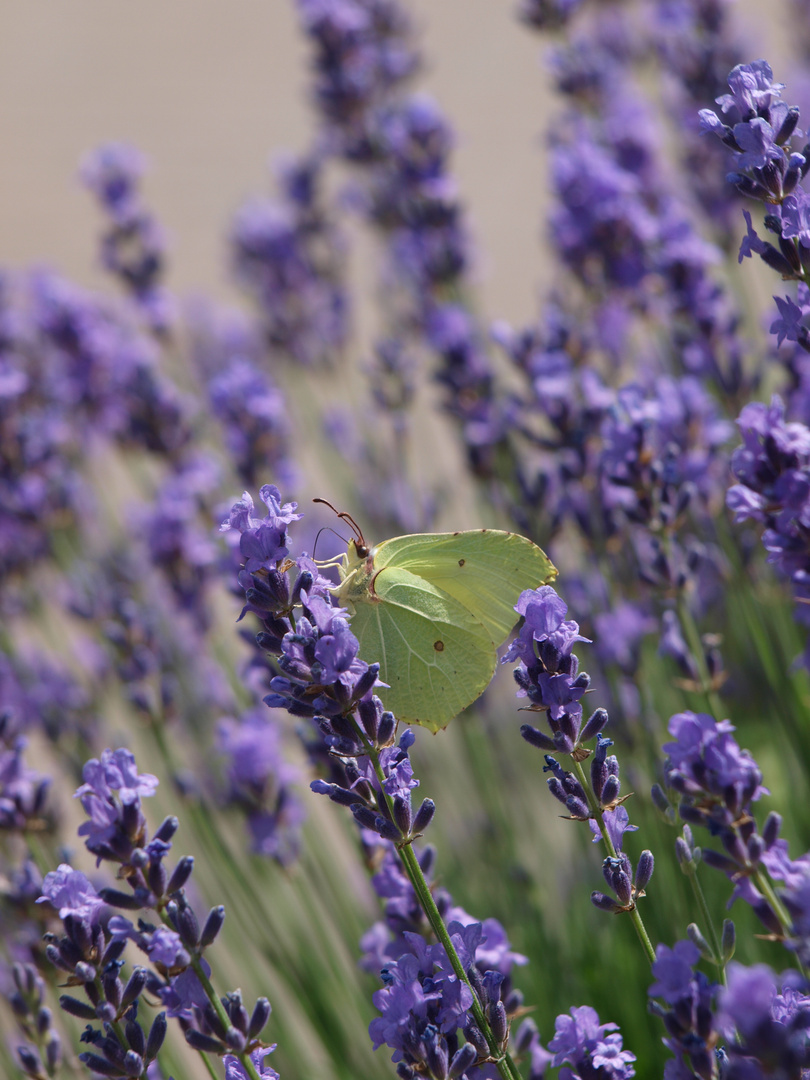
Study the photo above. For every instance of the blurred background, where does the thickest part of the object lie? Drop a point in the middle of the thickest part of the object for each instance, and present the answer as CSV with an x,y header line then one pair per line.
x,y
211,94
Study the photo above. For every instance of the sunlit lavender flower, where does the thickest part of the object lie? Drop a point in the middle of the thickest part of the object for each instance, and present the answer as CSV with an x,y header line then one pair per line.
x,y
581,1042
758,126
765,1022
548,676
773,470
35,1020
117,825
718,783
235,1070
92,946
548,673
133,247
688,1012
288,255
23,791
363,50
177,533
260,782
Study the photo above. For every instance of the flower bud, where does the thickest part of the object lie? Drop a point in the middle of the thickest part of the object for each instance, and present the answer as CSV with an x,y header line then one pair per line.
x,y
424,816
181,874
644,870
697,939
213,925
157,1033
260,1016
728,940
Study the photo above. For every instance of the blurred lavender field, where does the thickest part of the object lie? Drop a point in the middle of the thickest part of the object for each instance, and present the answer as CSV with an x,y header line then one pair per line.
x,y
581,312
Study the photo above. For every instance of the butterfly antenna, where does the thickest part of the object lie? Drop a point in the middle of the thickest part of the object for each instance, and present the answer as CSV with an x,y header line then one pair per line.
x,y
326,528
347,518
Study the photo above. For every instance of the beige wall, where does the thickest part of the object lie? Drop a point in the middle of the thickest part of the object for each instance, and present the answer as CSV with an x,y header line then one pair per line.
x,y
209,90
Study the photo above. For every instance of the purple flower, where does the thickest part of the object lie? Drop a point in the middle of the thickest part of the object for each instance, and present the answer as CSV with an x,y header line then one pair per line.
x,y
673,970
133,247
580,1042
234,1070
756,140
705,759
336,652
548,672
751,243
260,782
288,254
116,824
789,326
23,792
689,1020
796,217
263,540
116,771
753,90
619,633
112,173
773,468
544,613
617,823
184,992
166,949
422,1000
70,892
762,1025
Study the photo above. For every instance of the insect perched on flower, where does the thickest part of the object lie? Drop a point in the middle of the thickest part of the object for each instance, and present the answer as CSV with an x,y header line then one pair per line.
x,y
433,608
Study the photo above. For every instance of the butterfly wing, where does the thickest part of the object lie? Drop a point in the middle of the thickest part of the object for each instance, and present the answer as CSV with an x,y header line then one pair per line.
x,y
436,657
485,570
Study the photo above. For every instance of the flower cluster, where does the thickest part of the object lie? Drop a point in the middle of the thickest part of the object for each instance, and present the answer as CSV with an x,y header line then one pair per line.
x,y
718,782
773,470
548,675
36,1021
764,1020
363,53
288,255
759,128
417,994
94,940
133,246
581,1042
428,993
687,1010
322,677
260,782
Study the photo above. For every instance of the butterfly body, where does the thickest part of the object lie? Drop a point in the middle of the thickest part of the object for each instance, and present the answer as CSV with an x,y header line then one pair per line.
x,y
432,609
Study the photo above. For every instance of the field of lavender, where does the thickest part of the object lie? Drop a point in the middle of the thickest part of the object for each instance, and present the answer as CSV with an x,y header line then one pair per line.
x,y
598,870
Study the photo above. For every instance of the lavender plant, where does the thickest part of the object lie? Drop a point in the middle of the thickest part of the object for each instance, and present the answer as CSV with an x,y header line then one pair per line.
x,y
602,430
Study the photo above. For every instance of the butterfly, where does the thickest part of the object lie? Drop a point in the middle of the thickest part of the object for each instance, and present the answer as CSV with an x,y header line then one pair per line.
x,y
432,609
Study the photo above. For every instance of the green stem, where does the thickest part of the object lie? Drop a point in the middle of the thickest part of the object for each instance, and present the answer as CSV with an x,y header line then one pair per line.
x,y
763,883
598,814
696,648
209,1066
501,1059
245,1059
37,852
708,921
